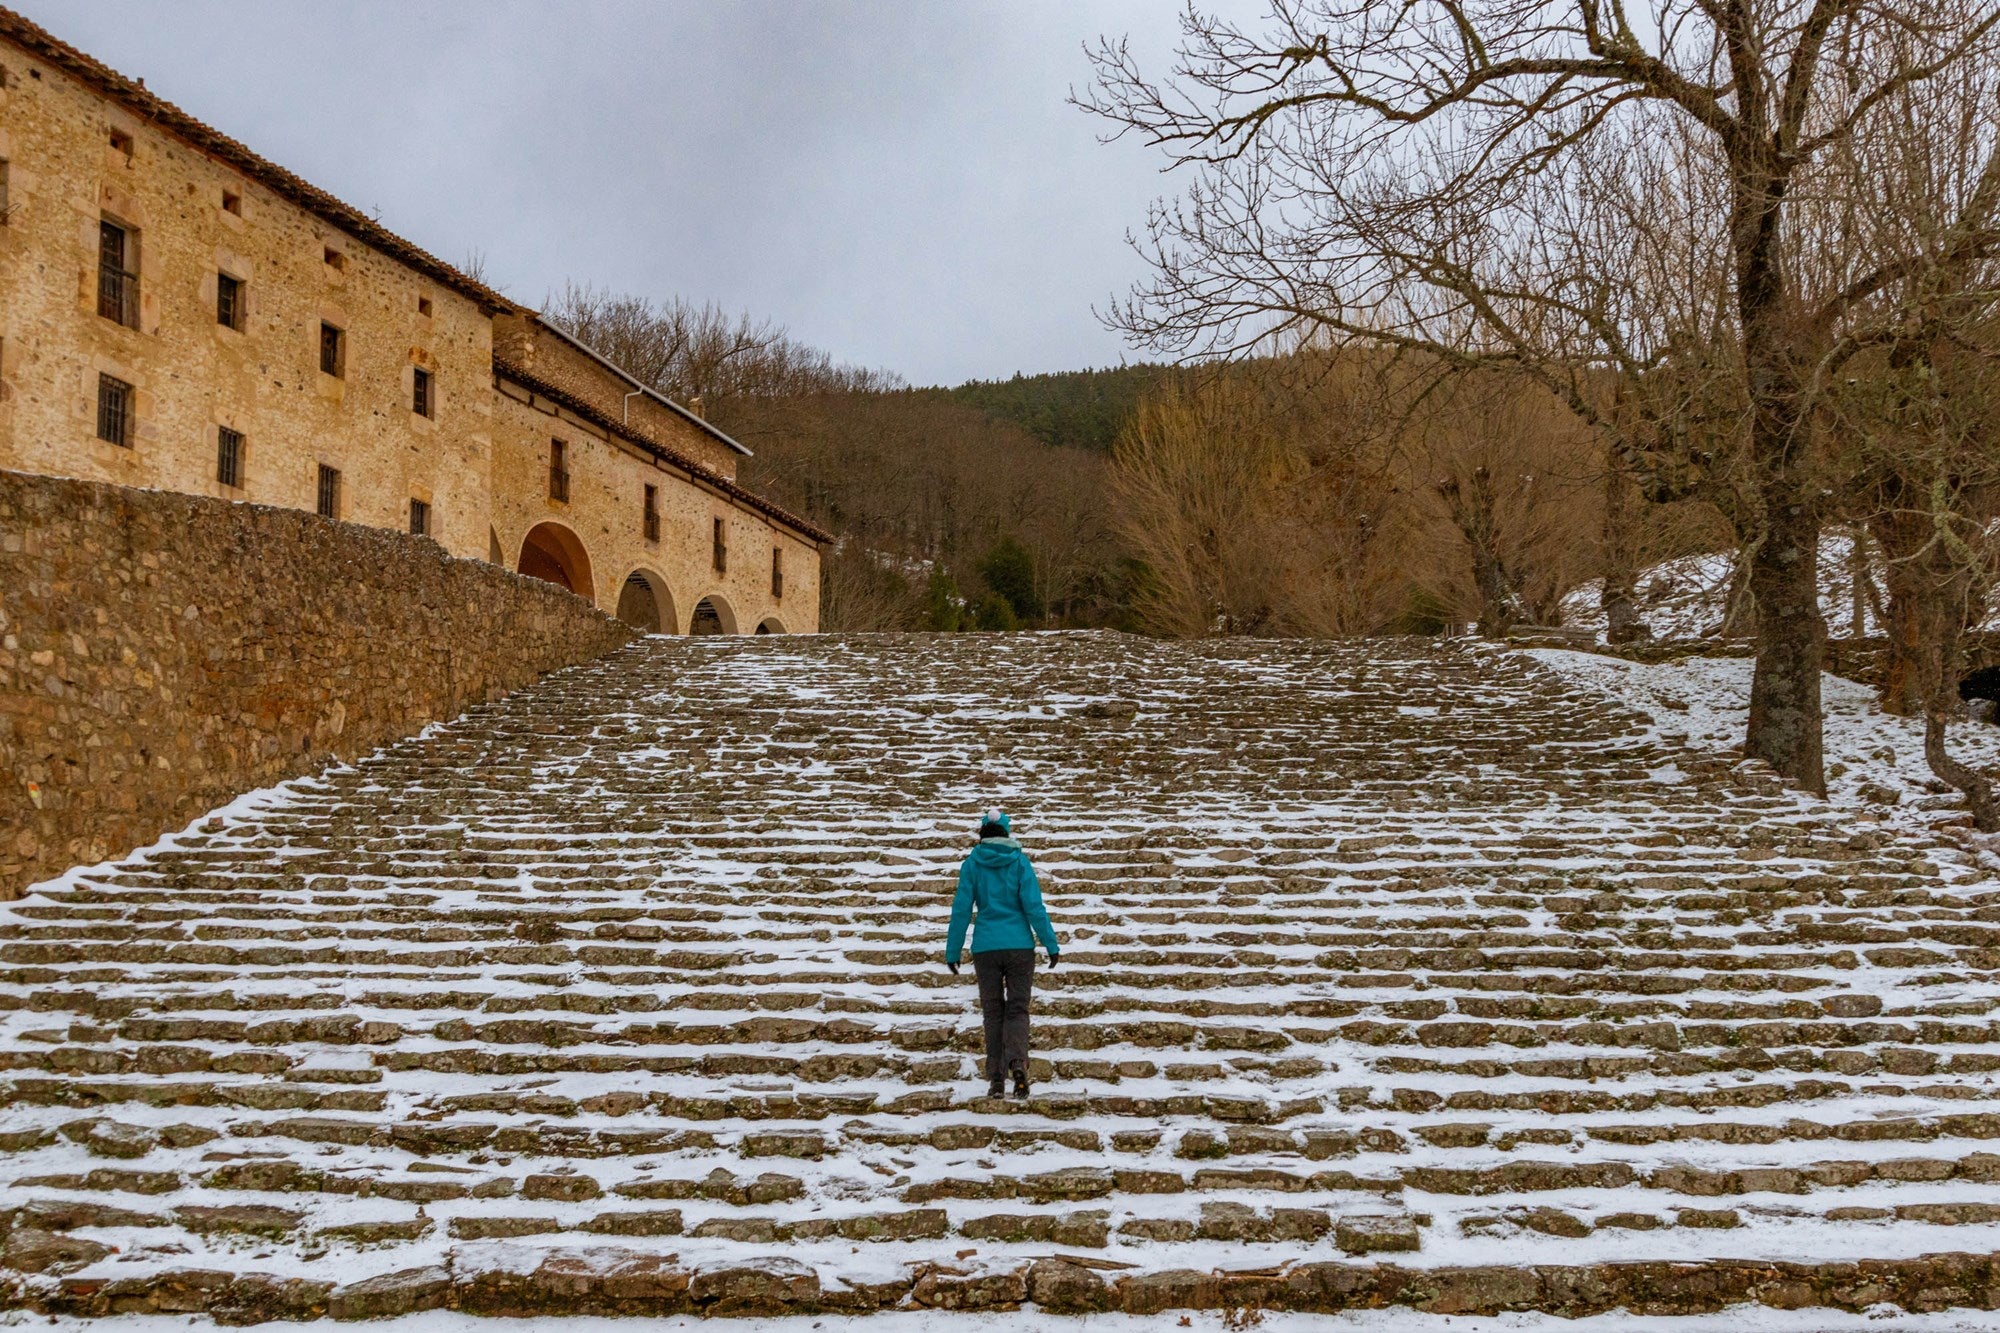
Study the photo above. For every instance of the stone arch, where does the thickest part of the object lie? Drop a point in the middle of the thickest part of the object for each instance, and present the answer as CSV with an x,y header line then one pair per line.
x,y
646,603
770,625
553,553
713,615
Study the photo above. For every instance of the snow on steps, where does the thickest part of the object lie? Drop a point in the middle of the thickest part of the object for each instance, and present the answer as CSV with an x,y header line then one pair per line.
x,y
1397,973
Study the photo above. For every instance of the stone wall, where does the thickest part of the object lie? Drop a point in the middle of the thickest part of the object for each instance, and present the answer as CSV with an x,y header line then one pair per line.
x,y
81,148
77,159
160,654
603,512
524,341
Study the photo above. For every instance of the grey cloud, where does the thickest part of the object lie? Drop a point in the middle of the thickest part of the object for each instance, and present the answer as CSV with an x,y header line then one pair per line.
x,y
900,183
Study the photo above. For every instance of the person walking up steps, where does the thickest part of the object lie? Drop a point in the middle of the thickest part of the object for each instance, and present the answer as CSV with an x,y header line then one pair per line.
x,y
999,896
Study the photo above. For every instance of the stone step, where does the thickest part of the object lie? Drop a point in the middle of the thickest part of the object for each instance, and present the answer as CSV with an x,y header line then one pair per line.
x,y
1394,972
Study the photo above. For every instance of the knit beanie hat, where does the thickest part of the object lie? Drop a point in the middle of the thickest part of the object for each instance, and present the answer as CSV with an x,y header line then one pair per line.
x,y
995,824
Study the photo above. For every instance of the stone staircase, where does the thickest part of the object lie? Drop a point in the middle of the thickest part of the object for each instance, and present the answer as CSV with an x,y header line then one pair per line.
x,y
1395,972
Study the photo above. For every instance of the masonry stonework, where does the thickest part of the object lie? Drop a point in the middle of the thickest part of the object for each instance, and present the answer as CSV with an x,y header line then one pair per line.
x,y
227,277
162,653
193,221
549,390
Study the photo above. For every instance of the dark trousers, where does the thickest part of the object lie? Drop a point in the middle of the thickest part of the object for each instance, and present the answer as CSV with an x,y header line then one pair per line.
x,y
1006,983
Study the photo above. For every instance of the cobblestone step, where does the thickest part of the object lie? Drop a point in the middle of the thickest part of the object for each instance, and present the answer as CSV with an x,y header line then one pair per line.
x,y
1394,973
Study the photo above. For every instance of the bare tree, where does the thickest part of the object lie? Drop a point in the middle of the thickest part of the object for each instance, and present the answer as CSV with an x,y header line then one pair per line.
x,y
1510,471
1408,174
861,592
1257,502
1915,389
701,353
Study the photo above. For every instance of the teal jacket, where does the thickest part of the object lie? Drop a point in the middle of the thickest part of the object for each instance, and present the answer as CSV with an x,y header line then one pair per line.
x,y
999,896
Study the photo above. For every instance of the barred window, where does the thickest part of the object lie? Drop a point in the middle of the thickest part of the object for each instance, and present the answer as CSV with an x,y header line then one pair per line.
x,y
329,492
229,300
777,572
420,518
228,456
721,552
652,514
421,401
117,274
114,411
332,349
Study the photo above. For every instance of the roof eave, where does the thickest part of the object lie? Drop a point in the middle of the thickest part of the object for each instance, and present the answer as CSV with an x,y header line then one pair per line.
x,y
39,43
640,386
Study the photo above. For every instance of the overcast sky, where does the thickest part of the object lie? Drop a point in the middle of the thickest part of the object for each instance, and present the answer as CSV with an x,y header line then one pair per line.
x,y
897,181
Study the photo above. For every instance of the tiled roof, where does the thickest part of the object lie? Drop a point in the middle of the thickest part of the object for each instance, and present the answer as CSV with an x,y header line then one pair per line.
x,y
39,43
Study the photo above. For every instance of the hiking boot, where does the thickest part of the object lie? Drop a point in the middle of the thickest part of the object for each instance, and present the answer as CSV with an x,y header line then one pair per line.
x,y
1020,1083
997,1088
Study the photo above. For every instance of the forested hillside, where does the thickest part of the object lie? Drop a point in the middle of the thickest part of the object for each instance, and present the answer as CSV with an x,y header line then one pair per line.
x,y
1082,409
1309,493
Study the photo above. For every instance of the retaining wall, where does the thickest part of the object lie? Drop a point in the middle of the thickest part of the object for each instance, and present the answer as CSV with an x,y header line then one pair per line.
x,y
161,654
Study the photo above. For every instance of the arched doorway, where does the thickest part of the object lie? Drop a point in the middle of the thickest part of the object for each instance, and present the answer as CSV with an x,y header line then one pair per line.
x,y
551,552
771,625
645,604
712,616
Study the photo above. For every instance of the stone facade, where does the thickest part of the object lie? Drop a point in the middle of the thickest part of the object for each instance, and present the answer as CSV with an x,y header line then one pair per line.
x,y
593,522
141,248
161,653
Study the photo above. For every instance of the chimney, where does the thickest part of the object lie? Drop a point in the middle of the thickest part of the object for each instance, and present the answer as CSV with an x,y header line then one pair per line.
x,y
694,406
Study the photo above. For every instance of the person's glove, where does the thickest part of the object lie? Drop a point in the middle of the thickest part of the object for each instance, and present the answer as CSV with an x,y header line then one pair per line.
x,y
1053,958
953,967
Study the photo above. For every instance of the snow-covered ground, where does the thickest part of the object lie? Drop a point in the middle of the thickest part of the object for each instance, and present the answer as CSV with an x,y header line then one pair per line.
x,y
665,929
1874,762
1736,1319
1686,598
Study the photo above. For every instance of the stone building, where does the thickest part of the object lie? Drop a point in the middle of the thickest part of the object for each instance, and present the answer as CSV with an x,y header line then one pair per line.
x,y
178,313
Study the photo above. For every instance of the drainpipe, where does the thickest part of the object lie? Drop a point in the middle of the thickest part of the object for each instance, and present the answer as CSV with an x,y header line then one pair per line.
x,y
628,404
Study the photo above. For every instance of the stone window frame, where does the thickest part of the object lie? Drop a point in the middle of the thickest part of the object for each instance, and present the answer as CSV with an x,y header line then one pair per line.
x,y
558,470
232,300
649,521
423,392
232,448
777,572
327,490
421,524
124,292
117,409
339,357
719,552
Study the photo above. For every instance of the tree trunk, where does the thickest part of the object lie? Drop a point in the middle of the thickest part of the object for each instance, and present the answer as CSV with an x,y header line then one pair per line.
x,y
1784,728
1901,534
1785,718
1472,512
1978,790
1739,603
1618,598
1857,581
1943,620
